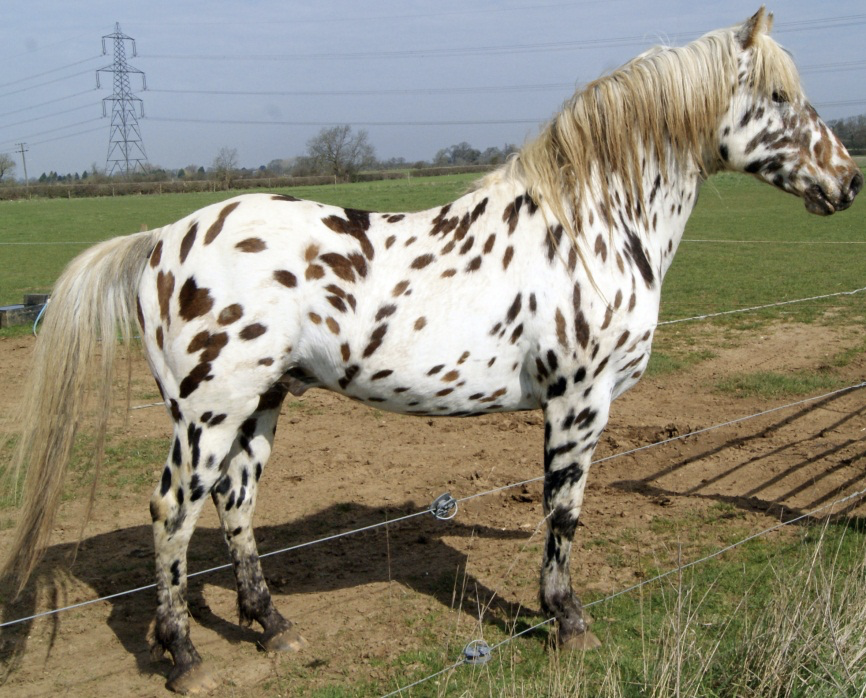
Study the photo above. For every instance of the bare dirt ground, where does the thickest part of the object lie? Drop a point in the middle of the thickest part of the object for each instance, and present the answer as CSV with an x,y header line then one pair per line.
x,y
363,600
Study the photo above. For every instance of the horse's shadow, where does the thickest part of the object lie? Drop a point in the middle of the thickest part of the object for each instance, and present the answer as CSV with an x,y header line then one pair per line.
x,y
411,552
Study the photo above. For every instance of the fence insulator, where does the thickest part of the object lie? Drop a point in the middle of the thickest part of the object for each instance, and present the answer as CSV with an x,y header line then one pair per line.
x,y
444,507
476,652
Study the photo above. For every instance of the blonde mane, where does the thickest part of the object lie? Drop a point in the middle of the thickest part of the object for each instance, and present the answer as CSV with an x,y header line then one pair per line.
x,y
665,105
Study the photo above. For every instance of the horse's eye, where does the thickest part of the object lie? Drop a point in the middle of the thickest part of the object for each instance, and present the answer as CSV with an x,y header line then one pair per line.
x,y
779,97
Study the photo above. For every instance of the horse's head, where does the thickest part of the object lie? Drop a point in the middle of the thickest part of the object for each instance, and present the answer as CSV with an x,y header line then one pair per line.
x,y
772,132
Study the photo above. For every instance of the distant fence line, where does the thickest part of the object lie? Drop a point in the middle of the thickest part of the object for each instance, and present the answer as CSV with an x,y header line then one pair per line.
x,y
86,189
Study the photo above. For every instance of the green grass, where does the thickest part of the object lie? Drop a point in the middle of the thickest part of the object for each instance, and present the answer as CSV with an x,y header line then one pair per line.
x,y
769,263
770,385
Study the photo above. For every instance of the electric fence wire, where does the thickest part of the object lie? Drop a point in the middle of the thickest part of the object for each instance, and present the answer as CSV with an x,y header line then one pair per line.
x,y
429,510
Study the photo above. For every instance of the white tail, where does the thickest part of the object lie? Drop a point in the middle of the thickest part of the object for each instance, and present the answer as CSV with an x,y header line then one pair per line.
x,y
93,301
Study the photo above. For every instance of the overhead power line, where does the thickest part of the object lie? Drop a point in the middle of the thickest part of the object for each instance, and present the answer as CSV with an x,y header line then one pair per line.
x,y
536,87
29,138
47,72
828,22
47,116
43,84
42,104
247,122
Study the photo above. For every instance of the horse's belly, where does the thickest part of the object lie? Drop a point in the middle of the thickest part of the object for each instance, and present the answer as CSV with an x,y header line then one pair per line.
x,y
431,379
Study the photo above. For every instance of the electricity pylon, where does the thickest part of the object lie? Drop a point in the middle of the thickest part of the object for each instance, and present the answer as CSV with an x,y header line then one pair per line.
x,y
125,147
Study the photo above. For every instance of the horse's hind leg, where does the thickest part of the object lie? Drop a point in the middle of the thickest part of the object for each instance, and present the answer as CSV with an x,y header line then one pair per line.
x,y
235,498
191,471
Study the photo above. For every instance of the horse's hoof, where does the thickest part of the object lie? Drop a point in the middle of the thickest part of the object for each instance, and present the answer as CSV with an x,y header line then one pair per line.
x,y
193,681
581,642
286,641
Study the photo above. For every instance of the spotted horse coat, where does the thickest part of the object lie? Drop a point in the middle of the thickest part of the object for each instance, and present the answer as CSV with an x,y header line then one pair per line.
x,y
533,290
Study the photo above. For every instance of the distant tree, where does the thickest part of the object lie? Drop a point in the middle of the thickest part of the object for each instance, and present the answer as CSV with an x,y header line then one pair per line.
x,y
458,154
303,166
339,152
851,131
397,163
280,166
7,164
225,164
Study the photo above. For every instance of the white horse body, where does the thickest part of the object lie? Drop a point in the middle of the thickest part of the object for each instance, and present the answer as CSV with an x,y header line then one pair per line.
x,y
450,346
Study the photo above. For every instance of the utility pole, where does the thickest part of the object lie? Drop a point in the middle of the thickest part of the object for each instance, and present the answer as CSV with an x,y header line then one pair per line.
x,y
125,147
23,149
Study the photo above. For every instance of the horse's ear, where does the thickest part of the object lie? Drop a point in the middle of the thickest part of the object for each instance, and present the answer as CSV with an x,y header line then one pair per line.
x,y
758,23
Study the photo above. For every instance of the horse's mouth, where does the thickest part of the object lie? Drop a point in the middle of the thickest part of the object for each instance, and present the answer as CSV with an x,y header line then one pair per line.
x,y
818,202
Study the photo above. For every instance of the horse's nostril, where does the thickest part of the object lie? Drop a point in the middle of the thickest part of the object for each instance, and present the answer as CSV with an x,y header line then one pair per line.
x,y
856,184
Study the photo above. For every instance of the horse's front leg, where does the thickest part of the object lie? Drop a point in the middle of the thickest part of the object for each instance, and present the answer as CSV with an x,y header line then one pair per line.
x,y
573,425
235,498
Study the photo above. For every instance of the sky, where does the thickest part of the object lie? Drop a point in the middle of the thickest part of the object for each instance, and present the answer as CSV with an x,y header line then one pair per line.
x,y
265,76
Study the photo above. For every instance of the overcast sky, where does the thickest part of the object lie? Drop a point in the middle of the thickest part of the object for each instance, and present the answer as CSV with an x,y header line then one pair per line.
x,y
264,76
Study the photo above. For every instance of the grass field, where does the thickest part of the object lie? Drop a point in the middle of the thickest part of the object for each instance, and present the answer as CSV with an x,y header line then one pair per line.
x,y
720,629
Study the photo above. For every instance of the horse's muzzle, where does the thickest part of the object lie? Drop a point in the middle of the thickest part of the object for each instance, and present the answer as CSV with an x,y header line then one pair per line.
x,y
819,203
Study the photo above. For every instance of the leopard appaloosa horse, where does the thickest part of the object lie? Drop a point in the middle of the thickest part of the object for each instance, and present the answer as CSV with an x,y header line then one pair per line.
x,y
539,288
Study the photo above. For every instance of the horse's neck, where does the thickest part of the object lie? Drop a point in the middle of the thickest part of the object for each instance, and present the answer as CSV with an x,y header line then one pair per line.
x,y
668,203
